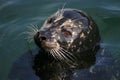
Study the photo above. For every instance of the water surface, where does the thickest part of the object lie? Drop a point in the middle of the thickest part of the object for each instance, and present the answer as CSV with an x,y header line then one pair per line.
x,y
17,15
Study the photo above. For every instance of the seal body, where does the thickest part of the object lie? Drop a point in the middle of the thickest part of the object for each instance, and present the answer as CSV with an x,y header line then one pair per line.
x,y
68,40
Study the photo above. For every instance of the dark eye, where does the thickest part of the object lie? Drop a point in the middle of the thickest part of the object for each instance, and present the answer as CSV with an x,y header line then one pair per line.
x,y
50,20
67,33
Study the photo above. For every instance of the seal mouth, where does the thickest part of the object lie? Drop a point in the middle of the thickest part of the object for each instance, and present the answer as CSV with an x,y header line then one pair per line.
x,y
58,52
49,45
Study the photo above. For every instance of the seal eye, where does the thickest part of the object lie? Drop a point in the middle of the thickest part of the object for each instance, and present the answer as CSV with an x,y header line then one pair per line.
x,y
50,20
67,33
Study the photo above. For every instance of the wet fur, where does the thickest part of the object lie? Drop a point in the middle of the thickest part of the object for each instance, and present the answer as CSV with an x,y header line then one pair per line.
x,y
60,63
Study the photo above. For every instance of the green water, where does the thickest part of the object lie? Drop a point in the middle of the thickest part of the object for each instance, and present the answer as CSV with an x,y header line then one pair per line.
x,y
17,15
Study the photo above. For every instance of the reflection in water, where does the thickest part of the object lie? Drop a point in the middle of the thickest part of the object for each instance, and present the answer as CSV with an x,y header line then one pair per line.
x,y
22,68
105,68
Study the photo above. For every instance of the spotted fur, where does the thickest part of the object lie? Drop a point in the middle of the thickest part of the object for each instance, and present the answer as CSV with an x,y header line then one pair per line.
x,y
68,39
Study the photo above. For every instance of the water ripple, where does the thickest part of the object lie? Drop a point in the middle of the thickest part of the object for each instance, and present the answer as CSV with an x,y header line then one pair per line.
x,y
6,4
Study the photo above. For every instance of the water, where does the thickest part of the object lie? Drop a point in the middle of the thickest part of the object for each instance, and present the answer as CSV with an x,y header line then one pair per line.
x,y
17,15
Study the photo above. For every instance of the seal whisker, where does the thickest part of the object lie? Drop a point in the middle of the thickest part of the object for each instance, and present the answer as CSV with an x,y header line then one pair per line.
x,y
62,54
59,55
29,39
68,53
60,58
34,27
28,34
60,11
53,54
67,60
65,51
31,32
68,57
63,7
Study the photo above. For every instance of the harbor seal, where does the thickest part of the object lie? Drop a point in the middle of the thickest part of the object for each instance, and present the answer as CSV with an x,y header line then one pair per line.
x,y
68,40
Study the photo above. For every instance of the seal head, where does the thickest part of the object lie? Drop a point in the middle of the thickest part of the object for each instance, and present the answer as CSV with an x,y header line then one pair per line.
x,y
68,40
67,32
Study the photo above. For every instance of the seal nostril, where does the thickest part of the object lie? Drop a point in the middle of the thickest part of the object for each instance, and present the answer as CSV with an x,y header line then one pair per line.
x,y
42,38
36,35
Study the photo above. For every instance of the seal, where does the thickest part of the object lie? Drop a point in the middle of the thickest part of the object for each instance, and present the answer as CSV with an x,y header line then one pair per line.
x,y
68,40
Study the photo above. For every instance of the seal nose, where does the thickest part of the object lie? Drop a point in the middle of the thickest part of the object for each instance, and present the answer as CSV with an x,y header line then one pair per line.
x,y
42,38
